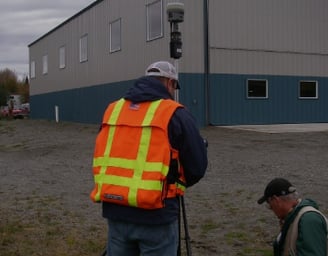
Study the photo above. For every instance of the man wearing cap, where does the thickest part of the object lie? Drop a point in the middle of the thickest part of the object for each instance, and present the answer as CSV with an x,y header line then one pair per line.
x,y
303,226
147,152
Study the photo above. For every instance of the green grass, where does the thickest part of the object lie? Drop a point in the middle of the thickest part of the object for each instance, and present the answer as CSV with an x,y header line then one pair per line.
x,y
253,251
47,228
208,226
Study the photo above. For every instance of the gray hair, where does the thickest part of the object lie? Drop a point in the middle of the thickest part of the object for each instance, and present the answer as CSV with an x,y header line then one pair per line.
x,y
291,197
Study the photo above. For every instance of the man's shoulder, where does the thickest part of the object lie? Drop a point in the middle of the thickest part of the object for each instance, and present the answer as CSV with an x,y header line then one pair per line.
x,y
172,102
310,215
183,117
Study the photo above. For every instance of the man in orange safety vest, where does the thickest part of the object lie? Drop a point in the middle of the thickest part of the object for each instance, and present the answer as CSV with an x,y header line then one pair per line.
x,y
147,152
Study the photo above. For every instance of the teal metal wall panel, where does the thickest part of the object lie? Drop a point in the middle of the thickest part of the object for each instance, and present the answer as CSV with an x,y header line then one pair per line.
x,y
83,105
87,105
230,106
192,95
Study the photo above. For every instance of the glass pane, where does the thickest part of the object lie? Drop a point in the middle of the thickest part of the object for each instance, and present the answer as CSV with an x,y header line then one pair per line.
x,y
154,20
32,69
84,48
45,64
62,57
115,36
308,89
257,88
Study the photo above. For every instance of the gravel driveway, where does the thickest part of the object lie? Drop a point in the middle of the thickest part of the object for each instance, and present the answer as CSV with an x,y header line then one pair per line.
x,y
46,179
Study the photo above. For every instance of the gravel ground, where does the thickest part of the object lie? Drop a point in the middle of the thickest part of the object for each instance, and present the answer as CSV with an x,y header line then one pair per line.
x,y
46,179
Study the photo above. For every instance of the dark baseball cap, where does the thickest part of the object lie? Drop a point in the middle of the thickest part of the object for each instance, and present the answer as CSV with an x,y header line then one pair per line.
x,y
277,187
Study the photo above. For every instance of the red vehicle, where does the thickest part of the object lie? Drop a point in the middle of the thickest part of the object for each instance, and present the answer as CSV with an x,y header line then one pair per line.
x,y
4,112
17,113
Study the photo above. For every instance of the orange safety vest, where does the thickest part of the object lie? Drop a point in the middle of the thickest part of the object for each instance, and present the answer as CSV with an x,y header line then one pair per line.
x,y
133,154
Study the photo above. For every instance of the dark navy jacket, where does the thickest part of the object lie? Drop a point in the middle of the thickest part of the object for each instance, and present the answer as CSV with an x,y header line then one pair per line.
x,y
184,136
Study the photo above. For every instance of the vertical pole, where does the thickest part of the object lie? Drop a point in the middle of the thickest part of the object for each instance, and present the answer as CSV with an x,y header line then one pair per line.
x,y
206,61
176,93
179,223
175,13
185,224
57,113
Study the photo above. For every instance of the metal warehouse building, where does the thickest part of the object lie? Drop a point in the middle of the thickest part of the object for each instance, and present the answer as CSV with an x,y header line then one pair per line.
x,y
244,62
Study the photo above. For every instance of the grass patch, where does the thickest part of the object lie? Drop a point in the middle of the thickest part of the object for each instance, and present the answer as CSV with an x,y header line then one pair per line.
x,y
45,227
232,237
253,252
208,226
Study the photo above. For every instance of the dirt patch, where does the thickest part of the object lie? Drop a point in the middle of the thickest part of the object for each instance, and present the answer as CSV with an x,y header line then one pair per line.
x,y
46,179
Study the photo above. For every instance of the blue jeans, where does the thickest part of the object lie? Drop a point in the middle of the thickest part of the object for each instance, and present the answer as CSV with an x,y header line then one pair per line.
x,y
128,239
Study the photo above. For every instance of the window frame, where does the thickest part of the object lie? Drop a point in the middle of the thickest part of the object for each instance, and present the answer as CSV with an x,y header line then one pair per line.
x,y
83,48
257,97
45,64
149,21
62,57
119,41
310,97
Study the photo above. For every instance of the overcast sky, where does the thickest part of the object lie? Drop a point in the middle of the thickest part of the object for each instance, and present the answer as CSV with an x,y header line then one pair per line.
x,y
22,22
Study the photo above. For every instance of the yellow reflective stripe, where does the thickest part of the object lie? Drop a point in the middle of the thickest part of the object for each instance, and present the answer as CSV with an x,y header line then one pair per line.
x,y
116,112
125,163
139,165
142,156
125,181
113,118
151,112
180,186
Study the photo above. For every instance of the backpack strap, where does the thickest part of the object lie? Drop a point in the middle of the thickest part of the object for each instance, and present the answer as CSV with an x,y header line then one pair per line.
x,y
290,242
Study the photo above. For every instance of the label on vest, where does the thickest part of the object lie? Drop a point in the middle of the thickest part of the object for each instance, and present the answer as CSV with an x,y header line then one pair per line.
x,y
114,197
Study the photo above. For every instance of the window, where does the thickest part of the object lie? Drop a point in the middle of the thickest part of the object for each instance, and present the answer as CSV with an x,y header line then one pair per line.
x,y
115,36
84,48
257,89
308,90
32,74
154,20
62,57
45,64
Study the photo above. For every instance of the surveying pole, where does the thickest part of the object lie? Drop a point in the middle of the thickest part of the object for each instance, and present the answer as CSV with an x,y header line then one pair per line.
x,y
175,15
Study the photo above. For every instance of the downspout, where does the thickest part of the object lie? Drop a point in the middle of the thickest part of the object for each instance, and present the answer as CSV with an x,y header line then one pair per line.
x,y
206,61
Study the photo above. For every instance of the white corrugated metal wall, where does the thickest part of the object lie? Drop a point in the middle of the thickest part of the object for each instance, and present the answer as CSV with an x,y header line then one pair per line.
x,y
285,37
254,37
103,66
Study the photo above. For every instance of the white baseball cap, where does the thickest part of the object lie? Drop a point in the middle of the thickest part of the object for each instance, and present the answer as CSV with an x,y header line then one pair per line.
x,y
163,69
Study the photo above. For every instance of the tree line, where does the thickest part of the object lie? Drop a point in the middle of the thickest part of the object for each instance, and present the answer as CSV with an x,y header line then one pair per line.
x,y
11,84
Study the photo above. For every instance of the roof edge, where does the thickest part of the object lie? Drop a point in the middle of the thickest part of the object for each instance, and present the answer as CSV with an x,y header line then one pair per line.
x,y
66,21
